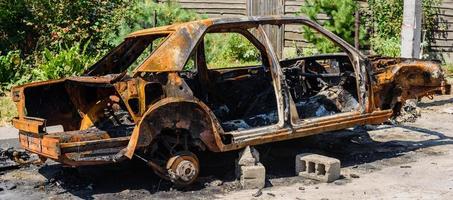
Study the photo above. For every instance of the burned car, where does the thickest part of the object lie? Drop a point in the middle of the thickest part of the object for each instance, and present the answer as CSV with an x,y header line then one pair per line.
x,y
175,103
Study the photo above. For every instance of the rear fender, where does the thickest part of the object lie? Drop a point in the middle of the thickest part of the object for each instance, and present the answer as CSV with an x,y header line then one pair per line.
x,y
176,113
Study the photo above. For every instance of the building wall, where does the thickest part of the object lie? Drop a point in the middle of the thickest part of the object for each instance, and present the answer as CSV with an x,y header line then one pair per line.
x,y
443,44
215,8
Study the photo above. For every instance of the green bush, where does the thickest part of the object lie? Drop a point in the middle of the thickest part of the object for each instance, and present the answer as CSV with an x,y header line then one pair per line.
x,y
13,71
69,61
341,21
140,15
31,25
230,50
386,21
7,110
42,40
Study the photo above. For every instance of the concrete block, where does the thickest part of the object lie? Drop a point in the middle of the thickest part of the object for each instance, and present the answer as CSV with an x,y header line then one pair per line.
x,y
252,177
318,167
249,156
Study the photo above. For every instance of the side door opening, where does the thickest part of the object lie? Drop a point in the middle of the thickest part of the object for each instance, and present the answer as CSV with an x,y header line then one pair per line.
x,y
321,77
234,79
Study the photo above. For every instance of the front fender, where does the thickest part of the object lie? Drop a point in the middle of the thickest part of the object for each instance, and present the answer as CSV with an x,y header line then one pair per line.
x,y
176,113
407,79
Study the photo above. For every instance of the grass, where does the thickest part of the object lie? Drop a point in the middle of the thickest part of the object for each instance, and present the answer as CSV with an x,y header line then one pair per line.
x,y
7,110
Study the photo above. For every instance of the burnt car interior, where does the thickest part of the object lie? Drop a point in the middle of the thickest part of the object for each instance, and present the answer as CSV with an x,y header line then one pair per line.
x,y
321,85
241,97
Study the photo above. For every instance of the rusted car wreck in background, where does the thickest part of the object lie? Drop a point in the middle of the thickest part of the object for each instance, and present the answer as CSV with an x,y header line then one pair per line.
x,y
165,114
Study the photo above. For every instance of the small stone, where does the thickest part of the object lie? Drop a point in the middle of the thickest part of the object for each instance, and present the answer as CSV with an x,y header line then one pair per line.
x,y
125,191
11,186
316,187
257,193
354,176
89,187
301,188
1,189
405,166
339,182
216,183
271,194
448,110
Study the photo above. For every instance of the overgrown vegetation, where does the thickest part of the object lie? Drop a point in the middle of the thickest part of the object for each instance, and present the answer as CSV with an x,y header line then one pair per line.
x,y
386,19
230,50
66,61
43,40
381,24
7,110
340,19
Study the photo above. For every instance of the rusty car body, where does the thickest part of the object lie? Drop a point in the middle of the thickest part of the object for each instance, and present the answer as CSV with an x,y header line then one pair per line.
x,y
164,114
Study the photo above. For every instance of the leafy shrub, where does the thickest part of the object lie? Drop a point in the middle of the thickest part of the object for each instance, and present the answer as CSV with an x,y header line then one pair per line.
x,y
29,25
340,21
390,46
386,21
230,50
140,15
69,61
43,39
7,110
13,71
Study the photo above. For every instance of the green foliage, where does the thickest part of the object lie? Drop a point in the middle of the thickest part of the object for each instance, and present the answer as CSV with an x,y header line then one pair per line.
x,y
7,110
31,24
230,50
42,39
141,14
13,71
341,20
69,61
386,46
449,69
386,21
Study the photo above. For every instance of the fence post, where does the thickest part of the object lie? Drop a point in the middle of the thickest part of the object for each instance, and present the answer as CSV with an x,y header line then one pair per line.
x,y
411,29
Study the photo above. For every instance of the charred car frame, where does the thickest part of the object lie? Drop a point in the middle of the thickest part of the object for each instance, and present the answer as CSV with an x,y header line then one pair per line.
x,y
163,114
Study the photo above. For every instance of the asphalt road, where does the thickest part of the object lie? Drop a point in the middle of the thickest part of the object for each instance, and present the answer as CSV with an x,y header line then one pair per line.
x,y
8,137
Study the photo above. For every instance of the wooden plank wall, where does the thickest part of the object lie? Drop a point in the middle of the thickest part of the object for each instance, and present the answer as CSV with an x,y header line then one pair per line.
x,y
443,44
215,8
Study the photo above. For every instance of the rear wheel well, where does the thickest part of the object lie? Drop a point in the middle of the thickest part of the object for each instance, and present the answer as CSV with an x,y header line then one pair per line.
x,y
177,118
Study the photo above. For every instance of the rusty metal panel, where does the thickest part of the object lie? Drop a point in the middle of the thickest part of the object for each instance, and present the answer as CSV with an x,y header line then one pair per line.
x,y
32,125
47,147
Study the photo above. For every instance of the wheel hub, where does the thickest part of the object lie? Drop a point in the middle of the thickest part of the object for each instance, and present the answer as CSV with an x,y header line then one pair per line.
x,y
183,168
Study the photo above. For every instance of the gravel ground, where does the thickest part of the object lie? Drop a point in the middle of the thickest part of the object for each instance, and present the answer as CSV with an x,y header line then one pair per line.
x,y
408,161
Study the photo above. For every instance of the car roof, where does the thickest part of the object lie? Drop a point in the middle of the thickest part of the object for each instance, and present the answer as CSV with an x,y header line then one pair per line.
x,y
173,53
212,21
183,37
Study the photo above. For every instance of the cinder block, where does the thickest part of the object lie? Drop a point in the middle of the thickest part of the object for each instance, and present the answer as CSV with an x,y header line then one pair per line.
x,y
252,177
318,167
